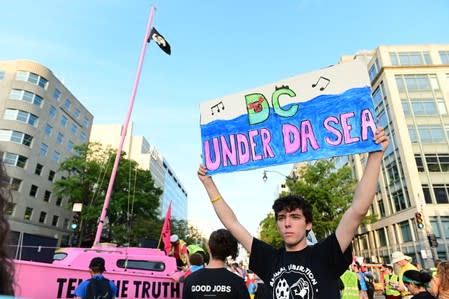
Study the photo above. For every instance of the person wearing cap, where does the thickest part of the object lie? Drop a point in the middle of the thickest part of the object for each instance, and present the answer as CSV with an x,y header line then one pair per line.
x,y
404,263
97,283
417,283
179,251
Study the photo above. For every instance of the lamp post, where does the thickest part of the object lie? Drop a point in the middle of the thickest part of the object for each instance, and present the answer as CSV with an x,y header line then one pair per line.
x,y
292,177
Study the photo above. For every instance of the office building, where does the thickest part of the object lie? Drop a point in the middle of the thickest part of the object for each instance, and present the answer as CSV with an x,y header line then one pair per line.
x,y
40,123
147,157
410,87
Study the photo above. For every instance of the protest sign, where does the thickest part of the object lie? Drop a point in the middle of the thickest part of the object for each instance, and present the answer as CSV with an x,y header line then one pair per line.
x,y
321,114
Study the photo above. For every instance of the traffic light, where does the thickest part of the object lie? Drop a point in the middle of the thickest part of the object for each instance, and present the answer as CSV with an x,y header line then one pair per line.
x,y
75,221
419,220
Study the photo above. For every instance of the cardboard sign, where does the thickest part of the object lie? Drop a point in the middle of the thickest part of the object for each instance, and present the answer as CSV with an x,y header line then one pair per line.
x,y
322,114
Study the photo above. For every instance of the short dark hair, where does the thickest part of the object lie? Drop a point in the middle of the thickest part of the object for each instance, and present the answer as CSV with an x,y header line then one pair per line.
x,y
97,265
196,259
419,278
291,202
222,244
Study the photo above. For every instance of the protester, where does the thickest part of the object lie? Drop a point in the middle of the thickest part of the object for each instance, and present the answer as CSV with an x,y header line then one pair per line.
x,y
196,263
439,285
404,263
179,251
98,286
350,288
299,269
6,265
391,283
235,268
417,283
363,288
215,281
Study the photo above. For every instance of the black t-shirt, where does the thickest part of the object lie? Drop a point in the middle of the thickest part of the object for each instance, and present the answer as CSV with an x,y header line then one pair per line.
x,y
423,295
214,284
312,273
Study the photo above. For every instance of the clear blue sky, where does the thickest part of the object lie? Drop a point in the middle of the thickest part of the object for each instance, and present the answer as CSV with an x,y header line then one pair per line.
x,y
218,48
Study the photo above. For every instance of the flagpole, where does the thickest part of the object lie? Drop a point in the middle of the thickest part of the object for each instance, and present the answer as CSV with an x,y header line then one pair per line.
x,y
124,130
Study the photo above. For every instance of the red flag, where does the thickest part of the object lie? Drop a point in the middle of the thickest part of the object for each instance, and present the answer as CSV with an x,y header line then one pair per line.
x,y
166,231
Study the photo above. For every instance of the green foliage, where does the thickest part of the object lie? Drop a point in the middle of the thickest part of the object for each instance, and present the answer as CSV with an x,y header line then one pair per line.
x,y
134,202
329,191
269,232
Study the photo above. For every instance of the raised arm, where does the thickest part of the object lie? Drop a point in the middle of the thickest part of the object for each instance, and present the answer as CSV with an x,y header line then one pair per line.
x,y
364,194
224,212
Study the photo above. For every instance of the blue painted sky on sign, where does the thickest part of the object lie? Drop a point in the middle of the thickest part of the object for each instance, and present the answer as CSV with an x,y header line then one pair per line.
x,y
338,120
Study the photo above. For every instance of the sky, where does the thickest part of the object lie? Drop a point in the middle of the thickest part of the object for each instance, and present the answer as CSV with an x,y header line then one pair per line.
x,y
218,48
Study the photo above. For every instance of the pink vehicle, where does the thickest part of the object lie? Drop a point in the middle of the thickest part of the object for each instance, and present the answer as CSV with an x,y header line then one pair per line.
x,y
137,272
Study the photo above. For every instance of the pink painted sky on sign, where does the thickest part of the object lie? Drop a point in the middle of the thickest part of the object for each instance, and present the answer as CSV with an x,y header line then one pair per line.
x,y
218,48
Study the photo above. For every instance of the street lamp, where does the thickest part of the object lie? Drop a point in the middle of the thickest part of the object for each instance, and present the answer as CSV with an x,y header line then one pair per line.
x,y
292,177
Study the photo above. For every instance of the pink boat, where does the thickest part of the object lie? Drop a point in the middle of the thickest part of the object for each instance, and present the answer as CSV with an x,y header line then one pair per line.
x,y
137,272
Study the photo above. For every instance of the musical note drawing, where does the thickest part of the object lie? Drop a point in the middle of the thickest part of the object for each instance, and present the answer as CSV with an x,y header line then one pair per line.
x,y
257,105
217,107
324,83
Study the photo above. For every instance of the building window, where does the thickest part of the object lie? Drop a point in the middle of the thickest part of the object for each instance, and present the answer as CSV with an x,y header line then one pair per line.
x,y
55,220
23,116
26,96
14,160
2,75
416,83
58,201
28,213
63,121
59,138
48,130
32,78
10,208
69,146
15,184
43,150
38,169
441,193
51,175
52,112
405,231
77,113
419,163
426,193
56,156
74,129
374,70
42,217
444,56
445,226
83,137
47,196
381,208
56,94
67,104
16,137
33,190
435,227
382,237
431,134
85,122
410,58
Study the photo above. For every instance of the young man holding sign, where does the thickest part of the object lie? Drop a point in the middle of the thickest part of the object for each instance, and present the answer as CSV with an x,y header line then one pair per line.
x,y
299,270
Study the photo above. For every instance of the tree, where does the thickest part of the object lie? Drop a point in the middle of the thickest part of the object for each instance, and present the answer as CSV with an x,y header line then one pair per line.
x,y
269,232
330,193
134,202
